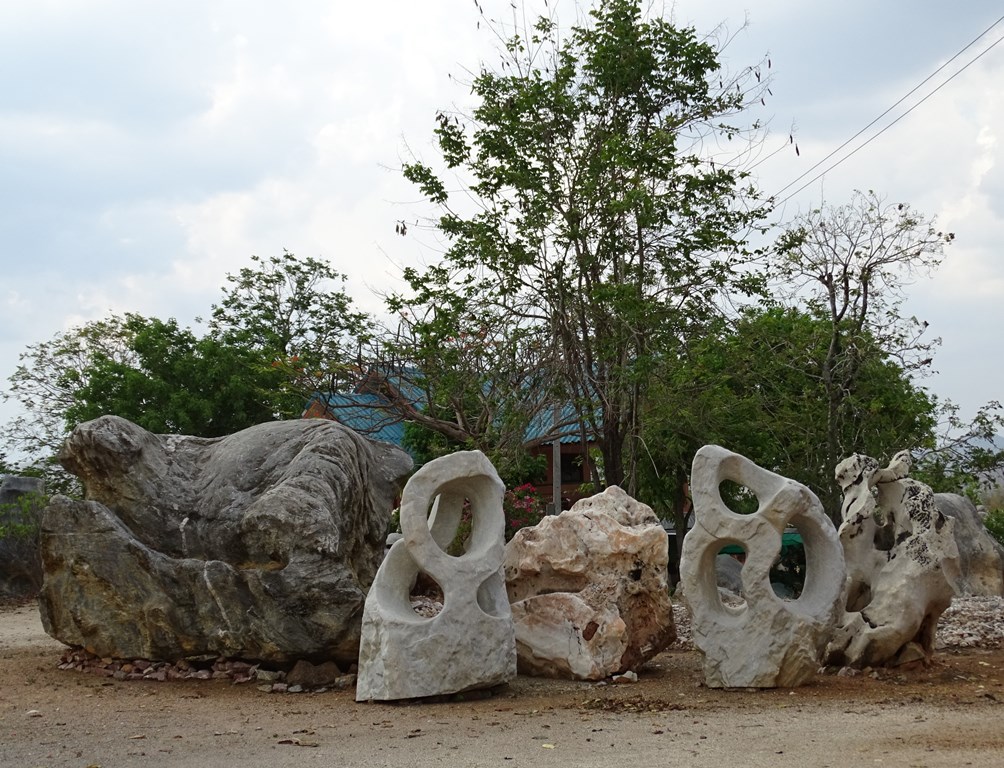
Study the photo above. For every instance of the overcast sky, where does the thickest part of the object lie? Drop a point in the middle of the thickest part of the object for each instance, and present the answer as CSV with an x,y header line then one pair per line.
x,y
148,149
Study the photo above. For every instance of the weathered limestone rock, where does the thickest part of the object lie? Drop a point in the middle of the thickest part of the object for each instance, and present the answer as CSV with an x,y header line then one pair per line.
x,y
589,589
902,565
260,545
767,642
981,557
469,644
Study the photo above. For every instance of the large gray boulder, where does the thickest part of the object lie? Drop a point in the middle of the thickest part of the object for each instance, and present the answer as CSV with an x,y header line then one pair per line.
x,y
981,558
260,545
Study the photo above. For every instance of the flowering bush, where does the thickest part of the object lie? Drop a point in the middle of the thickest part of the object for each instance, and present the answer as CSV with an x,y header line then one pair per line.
x,y
522,507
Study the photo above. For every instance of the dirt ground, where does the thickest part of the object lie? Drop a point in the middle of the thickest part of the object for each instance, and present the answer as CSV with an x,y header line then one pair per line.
x,y
949,714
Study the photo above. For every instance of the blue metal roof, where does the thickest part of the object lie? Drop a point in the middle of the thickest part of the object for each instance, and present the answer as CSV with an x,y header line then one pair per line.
x,y
367,413
362,412
542,425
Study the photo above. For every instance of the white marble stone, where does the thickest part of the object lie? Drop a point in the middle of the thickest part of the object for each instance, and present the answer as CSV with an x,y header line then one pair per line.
x,y
902,564
468,645
766,641
589,589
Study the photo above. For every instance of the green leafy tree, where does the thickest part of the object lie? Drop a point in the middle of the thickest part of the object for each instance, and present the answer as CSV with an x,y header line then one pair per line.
x,y
850,264
596,227
176,383
758,386
45,380
20,535
296,311
967,456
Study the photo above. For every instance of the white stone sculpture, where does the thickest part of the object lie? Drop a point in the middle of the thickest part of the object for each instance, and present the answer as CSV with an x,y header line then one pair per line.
x,y
590,590
470,644
767,642
902,565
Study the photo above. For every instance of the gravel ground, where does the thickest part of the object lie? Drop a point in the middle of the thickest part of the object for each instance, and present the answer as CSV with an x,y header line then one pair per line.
x,y
944,715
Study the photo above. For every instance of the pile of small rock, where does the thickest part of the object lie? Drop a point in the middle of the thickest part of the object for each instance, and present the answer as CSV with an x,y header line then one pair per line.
x,y
972,622
301,676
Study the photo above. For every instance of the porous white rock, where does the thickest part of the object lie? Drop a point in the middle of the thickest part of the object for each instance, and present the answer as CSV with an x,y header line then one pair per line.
x,y
589,589
903,565
470,643
766,641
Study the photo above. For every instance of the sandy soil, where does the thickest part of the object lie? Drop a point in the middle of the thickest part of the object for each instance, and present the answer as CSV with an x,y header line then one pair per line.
x,y
948,714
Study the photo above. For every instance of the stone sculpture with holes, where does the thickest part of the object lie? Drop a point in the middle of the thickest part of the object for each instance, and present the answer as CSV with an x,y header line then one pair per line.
x,y
470,644
766,642
902,560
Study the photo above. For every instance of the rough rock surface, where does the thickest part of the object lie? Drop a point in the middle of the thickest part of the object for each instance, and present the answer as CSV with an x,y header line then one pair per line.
x,y
467,645
981,557
903,565
589,589
260,545
969,622
766,641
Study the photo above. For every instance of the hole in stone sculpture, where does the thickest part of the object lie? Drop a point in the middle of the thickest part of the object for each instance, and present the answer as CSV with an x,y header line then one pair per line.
x,y
451,522
426,596
728,569
492,598
464,533
738,498
787,574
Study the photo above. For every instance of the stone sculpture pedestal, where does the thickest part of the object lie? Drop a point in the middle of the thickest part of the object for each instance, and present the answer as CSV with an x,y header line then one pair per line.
x,y
471,643
768,642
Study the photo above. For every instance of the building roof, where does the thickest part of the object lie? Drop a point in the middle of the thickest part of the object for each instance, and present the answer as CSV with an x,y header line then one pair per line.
x,y
362,412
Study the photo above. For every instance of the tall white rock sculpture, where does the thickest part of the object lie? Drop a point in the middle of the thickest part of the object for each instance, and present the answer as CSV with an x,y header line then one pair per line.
x,y
767,642
471,643
902,565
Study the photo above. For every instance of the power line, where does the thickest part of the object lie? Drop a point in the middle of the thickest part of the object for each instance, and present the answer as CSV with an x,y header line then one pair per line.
x,y
887,111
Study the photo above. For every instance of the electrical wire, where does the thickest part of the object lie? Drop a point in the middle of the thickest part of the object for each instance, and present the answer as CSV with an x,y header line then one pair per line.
x,y
887,111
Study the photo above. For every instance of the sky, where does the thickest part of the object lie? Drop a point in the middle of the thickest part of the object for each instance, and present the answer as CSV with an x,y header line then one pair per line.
x,y
149,149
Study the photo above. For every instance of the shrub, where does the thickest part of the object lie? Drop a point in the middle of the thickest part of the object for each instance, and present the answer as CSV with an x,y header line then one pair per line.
x,y
994,522
523,507
20,560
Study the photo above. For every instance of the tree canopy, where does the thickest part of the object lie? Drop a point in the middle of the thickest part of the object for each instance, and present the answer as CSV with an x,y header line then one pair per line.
x,y
176,383
757,386
601,233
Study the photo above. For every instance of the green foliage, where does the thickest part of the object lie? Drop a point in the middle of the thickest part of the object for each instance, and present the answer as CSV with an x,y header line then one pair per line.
x,y
756,386
20,533
46,378
281,332
601,235
174,382
848,264
965,453
20,519
292,311
994,523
